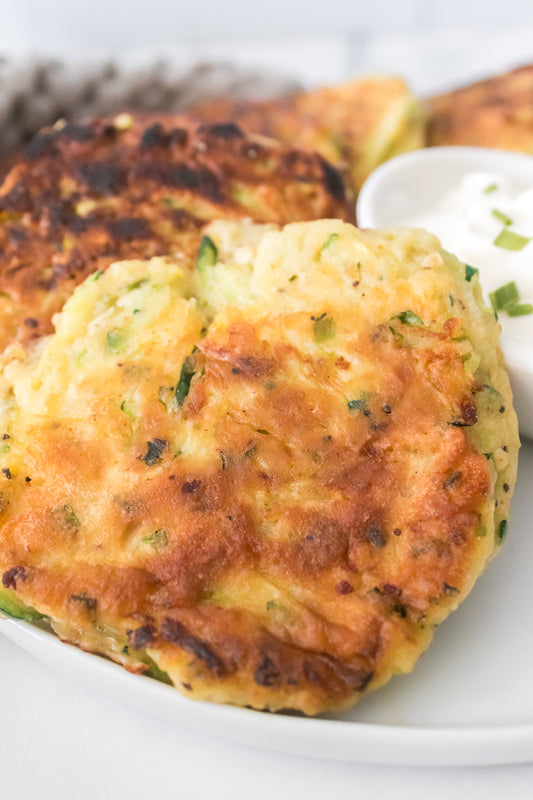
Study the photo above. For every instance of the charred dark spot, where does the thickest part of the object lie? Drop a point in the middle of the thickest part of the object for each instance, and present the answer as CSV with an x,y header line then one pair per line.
x,y
129,228
452,479
374,535
449,590
6,436
267,674
223,130
189,487
31,322
42,144
253,367
18,199
16,234
468,414
506,487
392,589
176,633
141,637
102,177
187,686
10,578
397,531
502,409
181,176
154,451
7,472
178,136
333,181
89,603
77,133
343,587
400,610
154,136
236,370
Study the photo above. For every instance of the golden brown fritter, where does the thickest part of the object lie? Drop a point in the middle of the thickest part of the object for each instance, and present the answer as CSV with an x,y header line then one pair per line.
x,y
356,125
270,478
89,193
496,112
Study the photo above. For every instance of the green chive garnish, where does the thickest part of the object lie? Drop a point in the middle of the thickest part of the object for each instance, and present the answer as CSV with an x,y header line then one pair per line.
x,y
409,318
520,310
508,240
184,382
490,188
502,530
506,295
323,328
470,272
157,539
331,238
357,405
501,217
207,254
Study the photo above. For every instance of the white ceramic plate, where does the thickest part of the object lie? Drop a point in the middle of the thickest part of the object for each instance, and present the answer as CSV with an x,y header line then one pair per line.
x,y
468,702
407,186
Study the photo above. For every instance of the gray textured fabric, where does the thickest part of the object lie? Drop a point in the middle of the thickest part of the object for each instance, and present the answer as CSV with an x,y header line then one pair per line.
x,y
39,93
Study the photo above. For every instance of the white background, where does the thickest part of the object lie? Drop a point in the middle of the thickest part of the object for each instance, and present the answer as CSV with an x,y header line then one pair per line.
x,y
60,740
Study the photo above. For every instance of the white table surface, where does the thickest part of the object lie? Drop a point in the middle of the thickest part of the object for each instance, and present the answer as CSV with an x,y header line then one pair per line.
x,y
61,740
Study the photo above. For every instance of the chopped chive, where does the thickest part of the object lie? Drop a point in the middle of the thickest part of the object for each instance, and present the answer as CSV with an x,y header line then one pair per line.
x,y
504,296
96,275
331,238
501,217
115,339
470,272
488,456
357,405
207,254
509,240
292,278
323,328
502,530
184,382
520,310
157,539
409,318
271,605
452,300
490,188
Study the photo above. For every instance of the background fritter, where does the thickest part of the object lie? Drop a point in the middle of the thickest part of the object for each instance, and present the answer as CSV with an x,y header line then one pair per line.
x,y
89,193
495,112
270,479
356,125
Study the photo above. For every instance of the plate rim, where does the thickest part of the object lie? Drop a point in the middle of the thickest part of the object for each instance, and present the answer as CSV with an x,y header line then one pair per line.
x,y
332,739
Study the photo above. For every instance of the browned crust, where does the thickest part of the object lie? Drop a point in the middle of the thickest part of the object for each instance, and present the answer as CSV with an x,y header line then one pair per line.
x,y
364,572
495,112
147,191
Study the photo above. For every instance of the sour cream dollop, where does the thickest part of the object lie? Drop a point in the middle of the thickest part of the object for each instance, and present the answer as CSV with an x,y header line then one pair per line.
x,y
482,220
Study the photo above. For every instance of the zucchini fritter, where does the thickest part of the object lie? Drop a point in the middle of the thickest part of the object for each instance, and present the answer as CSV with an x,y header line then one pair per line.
x,y
356,125
495,112
90,193
267,479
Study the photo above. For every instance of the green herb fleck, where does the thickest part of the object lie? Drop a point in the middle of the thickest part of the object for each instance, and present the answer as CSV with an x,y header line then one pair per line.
x,y
520,310
115,339
502,530
156,539
509,240
324,328
292,278
470,272
357,405
488,456
409,318
490,188
504,296
137,284
184,381
96,275
263,431
331,238
271,605
207,254
452,300
67,516
501,217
